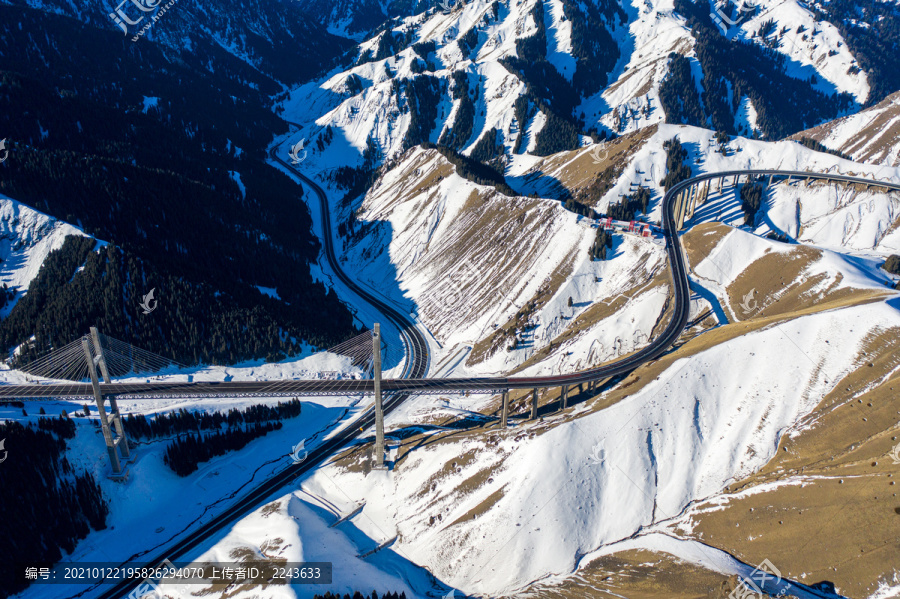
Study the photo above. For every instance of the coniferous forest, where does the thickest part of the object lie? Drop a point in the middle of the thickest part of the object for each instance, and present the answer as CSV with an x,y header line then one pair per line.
x,y
751,200
79,286
184,421
185,453
784,105
48,506
676,170
169,169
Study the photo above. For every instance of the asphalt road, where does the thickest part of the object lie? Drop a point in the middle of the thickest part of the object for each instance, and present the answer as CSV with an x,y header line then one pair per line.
x,y
416,369
416,366
415,383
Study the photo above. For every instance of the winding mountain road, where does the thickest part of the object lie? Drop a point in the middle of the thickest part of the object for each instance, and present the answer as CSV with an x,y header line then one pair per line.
x,y
416,383
397,389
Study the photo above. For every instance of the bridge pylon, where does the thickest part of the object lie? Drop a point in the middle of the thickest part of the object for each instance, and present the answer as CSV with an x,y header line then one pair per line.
x,y
504,411
113,443
379,409
114,407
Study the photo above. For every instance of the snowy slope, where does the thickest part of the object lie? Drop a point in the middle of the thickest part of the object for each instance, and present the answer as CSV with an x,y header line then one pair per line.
x,y
872,135
517,506
629,101
26,238
467,259
155,505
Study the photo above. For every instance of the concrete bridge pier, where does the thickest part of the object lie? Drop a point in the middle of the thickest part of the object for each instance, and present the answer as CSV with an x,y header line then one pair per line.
x,y
534,404
504,411
116,417
101,408
564,396
378,450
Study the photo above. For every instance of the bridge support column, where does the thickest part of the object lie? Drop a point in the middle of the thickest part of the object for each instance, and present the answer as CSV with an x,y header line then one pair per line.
x,y
114,407
564,396
504,411
379,410
104,422
770,179
534,404
679,214
695,191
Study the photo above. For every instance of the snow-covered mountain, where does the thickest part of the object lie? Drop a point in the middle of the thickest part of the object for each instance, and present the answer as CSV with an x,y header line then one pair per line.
x,y
872,135
464,149
498,79
26,238
252,42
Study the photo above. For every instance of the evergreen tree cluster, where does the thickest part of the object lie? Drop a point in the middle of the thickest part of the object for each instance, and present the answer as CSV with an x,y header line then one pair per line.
x,y
751,200
425,49
602,242
183,421
389,44
473,170
872,32
490,150
423,94
892,264
630,206
593,47
457,137
573,205
678,93
354,84
523,110
160,182
557,135
77,288
468,41
784,105
6,295
47,505
185,453
819,147
676,170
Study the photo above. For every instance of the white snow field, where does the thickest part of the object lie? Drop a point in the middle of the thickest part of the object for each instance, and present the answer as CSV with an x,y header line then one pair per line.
x,y
490,514
26,238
